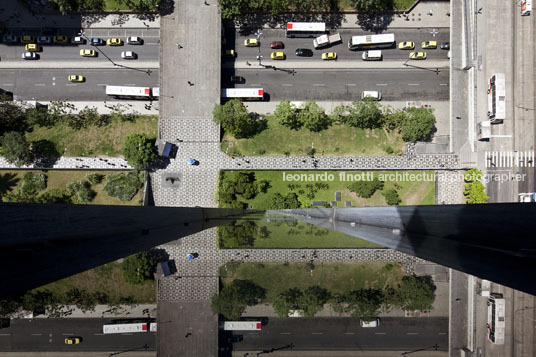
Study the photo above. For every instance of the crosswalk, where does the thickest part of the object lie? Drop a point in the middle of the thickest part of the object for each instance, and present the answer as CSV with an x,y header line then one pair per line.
x,y
509,158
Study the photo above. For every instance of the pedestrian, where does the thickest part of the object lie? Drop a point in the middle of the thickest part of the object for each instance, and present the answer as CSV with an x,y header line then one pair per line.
x,y
431,12
206,3
188,335
249,64
190,83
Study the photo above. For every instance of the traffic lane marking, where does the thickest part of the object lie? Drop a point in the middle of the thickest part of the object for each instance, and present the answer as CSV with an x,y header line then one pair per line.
x,y
319,84
412,333
37,334
413,84
317,333
380,333
349,333
285,333
286,85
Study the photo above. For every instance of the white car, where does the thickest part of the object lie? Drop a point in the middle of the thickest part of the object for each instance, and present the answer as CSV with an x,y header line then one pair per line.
x,y
29,55
373,323
78,40
134,40
129,55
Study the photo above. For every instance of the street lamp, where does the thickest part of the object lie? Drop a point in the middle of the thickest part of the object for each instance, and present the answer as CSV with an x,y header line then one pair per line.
x,y
148,71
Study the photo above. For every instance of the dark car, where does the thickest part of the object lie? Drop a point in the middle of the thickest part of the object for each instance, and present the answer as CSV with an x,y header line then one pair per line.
x,y
95,41
277,44
238,79
445,46
304,52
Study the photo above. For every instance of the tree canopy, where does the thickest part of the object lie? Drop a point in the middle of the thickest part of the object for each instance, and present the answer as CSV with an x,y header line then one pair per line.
x,y
314,117
418,124
138,267
235,119
15,148
139,151
372,5
286,114
364,114
233,298
416,293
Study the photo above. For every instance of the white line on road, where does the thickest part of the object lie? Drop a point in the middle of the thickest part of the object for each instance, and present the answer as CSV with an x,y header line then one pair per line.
x,y
412,333
286,85
380,333
7,84
349,333
381,84
37,334
317,333
152,43
500,136
285,333
442,333
443,84
39,84
351,84
413,84
67,334
98,334
319,84
254,85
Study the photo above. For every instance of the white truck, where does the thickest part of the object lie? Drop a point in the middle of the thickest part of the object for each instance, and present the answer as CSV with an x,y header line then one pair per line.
x,y
326,40
484,130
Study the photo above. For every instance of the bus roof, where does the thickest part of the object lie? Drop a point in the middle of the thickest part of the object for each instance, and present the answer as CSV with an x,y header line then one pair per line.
x,y
126,90
242,92
306,26
242,325
383,38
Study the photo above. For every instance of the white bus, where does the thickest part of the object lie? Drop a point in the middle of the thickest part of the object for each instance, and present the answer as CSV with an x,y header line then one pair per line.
x,y
243,93
496,322
371,41
125,327
242,325
497,98
126,92
305,29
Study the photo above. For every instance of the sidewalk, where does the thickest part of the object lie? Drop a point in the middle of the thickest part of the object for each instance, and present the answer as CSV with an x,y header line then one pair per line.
x,y
14,15
352,64
105,311
105,107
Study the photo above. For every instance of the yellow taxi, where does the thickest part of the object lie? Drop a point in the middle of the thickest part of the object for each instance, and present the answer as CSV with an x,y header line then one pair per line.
x,y
251,42
229,53
417,55
429,45
88,53
60,39
32,47
329,55
76,78
72,341
27,39
277,55
406,45
114,42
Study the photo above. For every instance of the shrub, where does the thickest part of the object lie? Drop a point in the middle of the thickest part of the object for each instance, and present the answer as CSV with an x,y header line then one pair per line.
x,y
138,267
94,178
418,124
15,148
33,183
122,186
391,197
366,189
139,150
82,190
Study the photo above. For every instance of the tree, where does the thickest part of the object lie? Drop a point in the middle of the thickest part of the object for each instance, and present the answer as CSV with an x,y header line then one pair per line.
x,y
231,9
83,299
233,298
11,118
416,293
237,234
139,151
15,148
286,301
82,190
44,150
286,114
391,197
138,267
40,116
418,124
475,192
285,202
313,300
366,188
54,195
393,118
364,114
371,5
66,6
33,183
314,117
364,303
235,119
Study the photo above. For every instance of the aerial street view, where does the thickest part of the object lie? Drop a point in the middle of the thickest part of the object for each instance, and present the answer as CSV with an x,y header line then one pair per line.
x,y
309,178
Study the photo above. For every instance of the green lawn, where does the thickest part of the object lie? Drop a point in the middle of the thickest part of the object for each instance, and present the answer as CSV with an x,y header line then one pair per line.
x,y
107,279
336,277
94,141
337,140
11,181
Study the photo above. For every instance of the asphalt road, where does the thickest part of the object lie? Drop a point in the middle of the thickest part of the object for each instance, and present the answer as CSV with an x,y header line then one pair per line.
x,y
236,42
333,84
50,334
347,334
37,84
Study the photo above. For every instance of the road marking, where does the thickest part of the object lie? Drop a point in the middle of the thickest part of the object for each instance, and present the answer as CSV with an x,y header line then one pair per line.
x,y
70,84
98,334
413,84
349,333
286,85
380,333
5,334
319,84
381,84
412,333
351,84
443,84
37,334
67,334
442,333
285,333
7,84
317,333
39,84
152,43
129,84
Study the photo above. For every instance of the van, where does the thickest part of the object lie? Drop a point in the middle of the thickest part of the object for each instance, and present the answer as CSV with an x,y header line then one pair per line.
x,y
373,323
375,55
371,94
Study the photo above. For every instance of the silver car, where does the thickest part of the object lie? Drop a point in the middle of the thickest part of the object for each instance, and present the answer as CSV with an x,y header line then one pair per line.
x,y
128,55
29,55
134,40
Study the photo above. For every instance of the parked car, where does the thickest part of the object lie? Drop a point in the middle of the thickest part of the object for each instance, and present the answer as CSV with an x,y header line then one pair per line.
x,y
78,40
417,55
406,45
429,45
30,56
44,39
60,39
276,45
445,46
373,323
128,55
10,38
95,41
229,53
27,39
134,40
329,55
304,52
